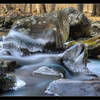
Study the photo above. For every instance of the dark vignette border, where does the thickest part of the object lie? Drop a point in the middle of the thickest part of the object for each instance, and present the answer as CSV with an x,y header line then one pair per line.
x,y
49,1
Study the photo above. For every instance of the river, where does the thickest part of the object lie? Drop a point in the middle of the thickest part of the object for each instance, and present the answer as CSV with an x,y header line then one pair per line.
x,y
36,85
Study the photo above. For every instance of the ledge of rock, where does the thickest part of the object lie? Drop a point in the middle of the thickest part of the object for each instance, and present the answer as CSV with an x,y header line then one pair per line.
x,y
65,87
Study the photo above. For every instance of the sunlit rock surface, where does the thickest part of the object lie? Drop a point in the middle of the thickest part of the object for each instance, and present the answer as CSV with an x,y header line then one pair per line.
x,y
6,22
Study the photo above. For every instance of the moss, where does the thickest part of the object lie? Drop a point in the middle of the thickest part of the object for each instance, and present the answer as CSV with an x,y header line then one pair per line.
x,y
66,36
7,81
91,46
71,43
92,42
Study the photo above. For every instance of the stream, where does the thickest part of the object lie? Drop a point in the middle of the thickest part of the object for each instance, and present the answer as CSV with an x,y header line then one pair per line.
x,y
35,85
94,66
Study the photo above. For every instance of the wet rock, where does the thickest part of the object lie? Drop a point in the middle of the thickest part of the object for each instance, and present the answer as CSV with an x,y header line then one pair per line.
x,y
7,81
95,27
65,87
9,48
47,32
75,58
7,66
43,29
91,44
80,25
50,31
47,71
6,22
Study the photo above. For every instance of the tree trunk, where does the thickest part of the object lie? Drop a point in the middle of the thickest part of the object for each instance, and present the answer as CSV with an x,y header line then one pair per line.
x,y
25,7
41,8
52,7
80,7
31,8
94,10
7,6
98,9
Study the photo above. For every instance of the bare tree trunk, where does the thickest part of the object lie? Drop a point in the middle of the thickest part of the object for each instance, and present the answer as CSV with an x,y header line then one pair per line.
x,y
38,8
25,7
98,9
9,7
31,8
0,9
94,10
80,7
41,8
52,7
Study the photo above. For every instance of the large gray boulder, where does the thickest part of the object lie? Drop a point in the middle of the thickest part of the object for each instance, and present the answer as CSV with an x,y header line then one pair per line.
x,y
49,31
40,32
80,25
65,87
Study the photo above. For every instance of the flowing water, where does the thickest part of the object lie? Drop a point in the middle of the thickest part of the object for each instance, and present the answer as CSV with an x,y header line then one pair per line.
x,y
36,85
31,85
94,66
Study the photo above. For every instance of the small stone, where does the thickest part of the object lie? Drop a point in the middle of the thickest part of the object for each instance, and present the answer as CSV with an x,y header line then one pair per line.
x,y
44,70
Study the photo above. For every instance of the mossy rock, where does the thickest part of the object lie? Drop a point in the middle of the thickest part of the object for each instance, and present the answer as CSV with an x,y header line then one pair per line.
x,y
7,66
92,44
95,28
53,31
7,81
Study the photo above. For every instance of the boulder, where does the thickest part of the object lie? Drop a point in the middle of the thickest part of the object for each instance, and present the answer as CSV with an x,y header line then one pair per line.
x,y
49,31
65,87
91,44
80,25
95,28
7,81
39,32
7,66
7,21
44,70
75,57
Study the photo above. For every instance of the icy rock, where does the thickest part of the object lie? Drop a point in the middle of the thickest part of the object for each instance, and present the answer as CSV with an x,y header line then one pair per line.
x,y
44,70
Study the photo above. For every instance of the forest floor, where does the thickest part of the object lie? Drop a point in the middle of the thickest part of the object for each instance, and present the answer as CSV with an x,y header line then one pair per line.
x,y
92,18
